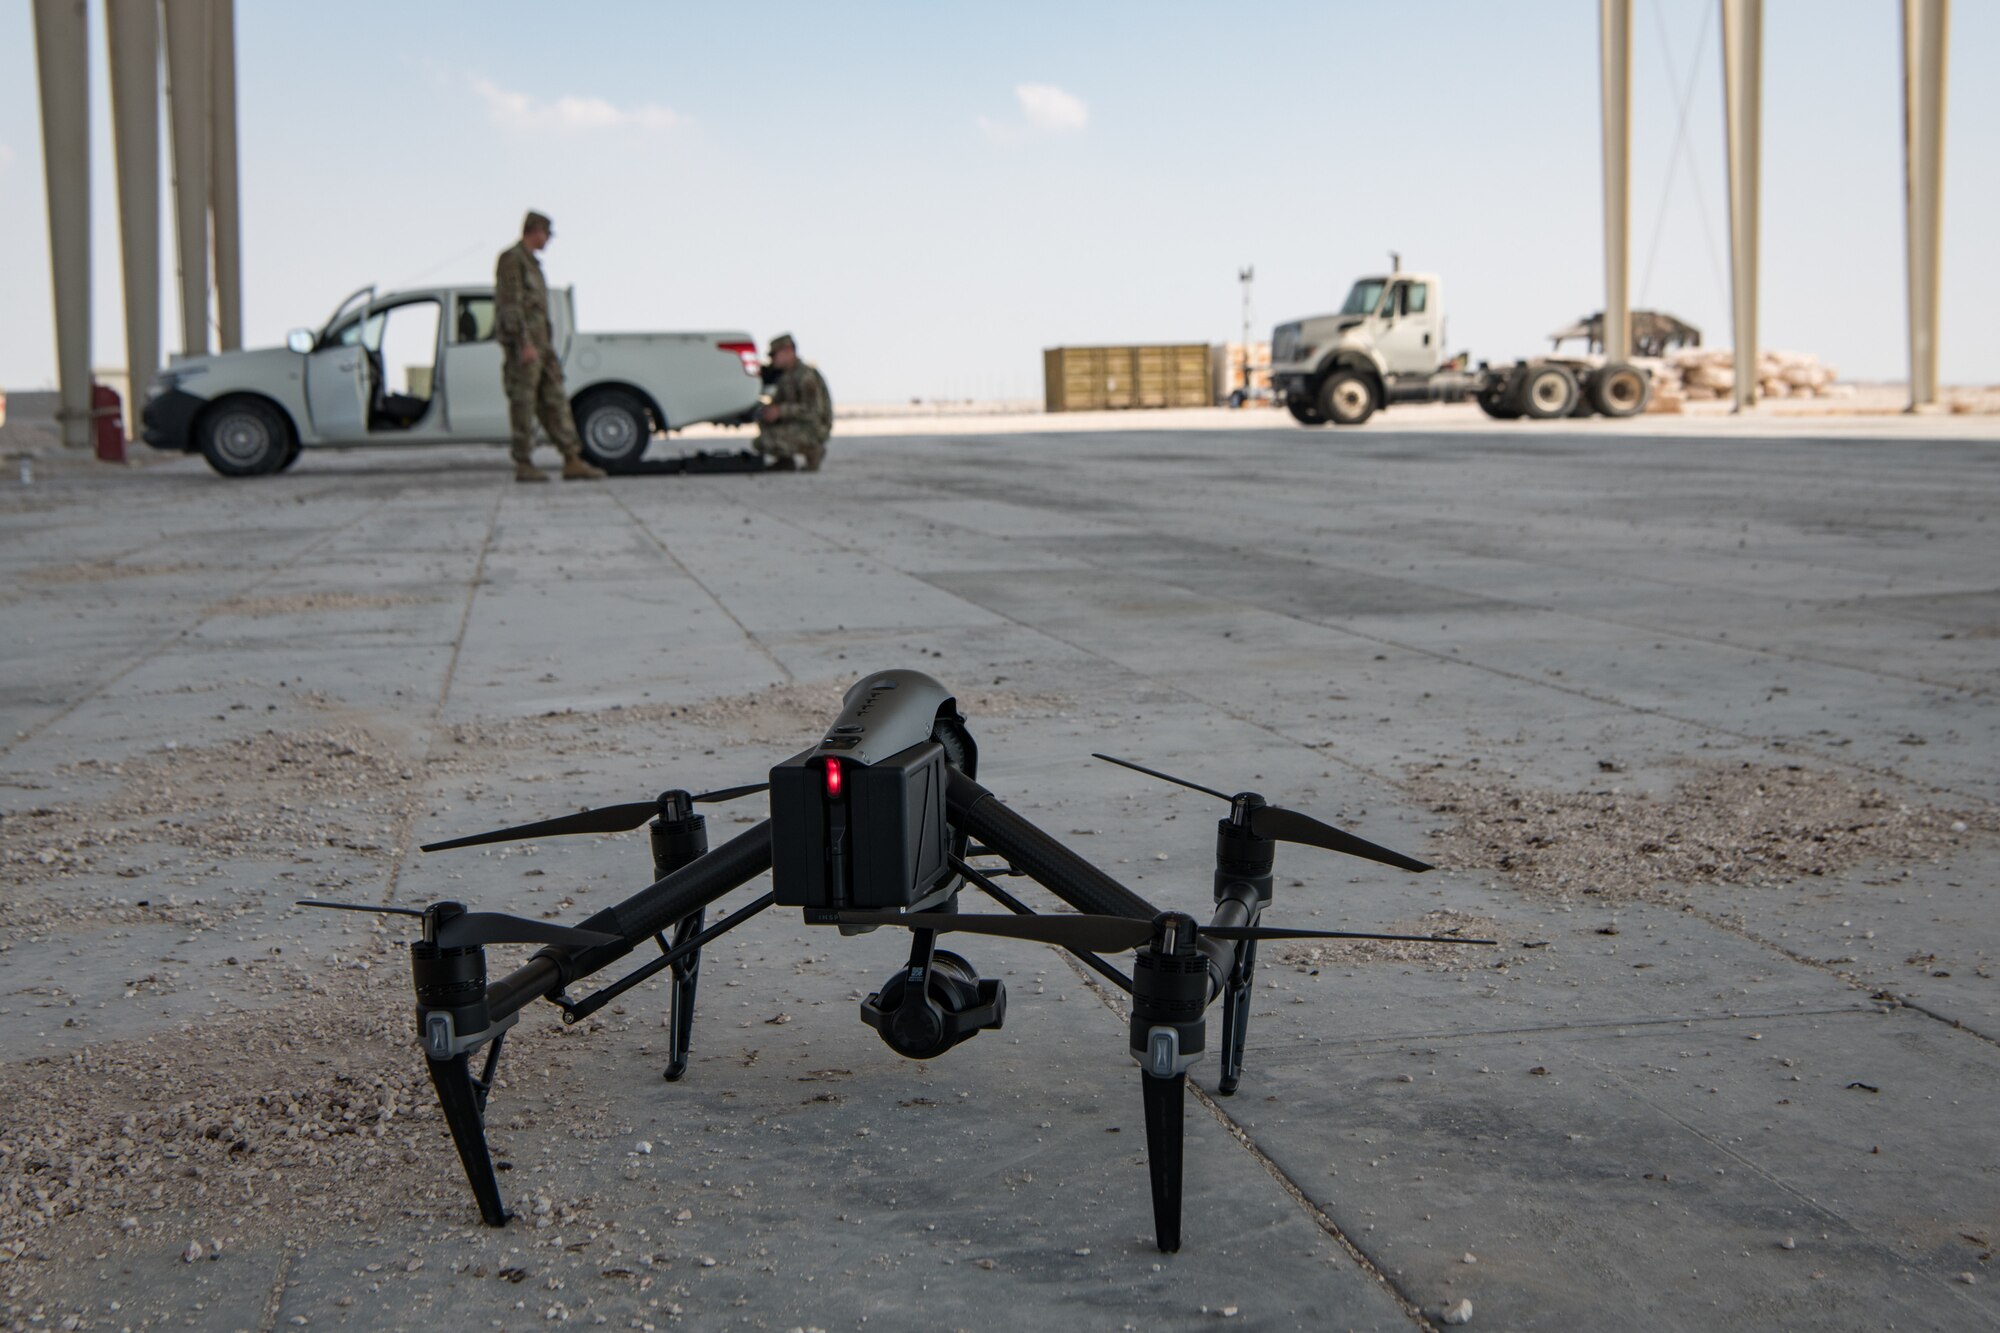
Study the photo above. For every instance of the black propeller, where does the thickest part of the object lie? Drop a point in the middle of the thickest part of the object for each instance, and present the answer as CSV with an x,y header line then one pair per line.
x,y
605,819
1282,825
458,928
1106,934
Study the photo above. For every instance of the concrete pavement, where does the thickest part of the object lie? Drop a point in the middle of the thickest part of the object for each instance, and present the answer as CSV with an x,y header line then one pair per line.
x,y
1758,1093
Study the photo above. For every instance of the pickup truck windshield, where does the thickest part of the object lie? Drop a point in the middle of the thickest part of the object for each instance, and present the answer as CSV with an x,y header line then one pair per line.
x,y
1363,297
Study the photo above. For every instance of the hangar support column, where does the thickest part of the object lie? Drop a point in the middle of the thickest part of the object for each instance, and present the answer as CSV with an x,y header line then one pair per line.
x,y
1615,56
133,27
222,192
1743,107
62,67
187,108
1924,29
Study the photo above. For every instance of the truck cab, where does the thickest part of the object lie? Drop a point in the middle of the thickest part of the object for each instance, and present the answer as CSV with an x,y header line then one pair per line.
x,y
1388,335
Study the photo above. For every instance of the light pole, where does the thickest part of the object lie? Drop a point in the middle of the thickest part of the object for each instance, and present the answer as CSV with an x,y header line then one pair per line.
x,y
1246,275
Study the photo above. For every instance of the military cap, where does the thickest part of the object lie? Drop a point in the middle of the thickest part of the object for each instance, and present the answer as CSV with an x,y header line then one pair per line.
x,y
536,222
780,343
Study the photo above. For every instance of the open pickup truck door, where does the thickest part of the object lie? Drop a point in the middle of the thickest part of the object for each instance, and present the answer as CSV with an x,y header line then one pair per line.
x,y
337,385
474,398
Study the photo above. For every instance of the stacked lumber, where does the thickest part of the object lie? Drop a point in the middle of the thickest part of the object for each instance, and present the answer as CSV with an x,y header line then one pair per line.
x,y
1697,373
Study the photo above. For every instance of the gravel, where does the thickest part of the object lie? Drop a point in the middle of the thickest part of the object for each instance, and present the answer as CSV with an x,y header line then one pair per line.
x,y
1748,824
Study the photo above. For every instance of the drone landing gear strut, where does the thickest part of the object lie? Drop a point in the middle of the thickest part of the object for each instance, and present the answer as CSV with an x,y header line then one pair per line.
x,y
687,974
463,1099
680,837
1170,979
1166,1101
1236,1017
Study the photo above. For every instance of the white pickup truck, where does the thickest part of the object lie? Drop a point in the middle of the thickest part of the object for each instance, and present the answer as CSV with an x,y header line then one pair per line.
x,y
423,367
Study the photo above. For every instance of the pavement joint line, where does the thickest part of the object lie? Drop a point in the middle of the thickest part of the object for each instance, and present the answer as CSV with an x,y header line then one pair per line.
x,y
405,836
1764,742
274,1300
1396,1041
1684,585
1317,1215
1887,996
201,618
1777,1182
1477,553
709,592
1610,701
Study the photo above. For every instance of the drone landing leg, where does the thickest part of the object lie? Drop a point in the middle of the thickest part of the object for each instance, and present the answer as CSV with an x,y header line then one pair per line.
x,y
1165,1100
687,974
1236,1017
464,1101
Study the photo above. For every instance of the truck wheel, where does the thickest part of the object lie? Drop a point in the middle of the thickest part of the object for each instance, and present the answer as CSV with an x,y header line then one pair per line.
x,y
1497,402
1619,390
614,427
1548,392
1347,398
243,437
1304,412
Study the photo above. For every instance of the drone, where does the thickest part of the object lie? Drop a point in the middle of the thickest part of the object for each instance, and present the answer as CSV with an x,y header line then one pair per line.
x,y
881,823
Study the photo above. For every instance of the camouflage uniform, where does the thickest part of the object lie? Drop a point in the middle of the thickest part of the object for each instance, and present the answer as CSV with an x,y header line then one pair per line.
x,y
521,313
805,418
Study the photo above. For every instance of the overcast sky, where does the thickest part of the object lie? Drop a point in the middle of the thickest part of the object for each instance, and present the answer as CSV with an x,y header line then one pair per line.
x,y
928,195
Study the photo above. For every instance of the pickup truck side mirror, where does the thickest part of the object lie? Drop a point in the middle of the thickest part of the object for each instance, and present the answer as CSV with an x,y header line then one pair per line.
x,y
301,340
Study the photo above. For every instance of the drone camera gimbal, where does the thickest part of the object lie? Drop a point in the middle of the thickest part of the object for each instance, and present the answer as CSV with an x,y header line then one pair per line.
x,y
878,824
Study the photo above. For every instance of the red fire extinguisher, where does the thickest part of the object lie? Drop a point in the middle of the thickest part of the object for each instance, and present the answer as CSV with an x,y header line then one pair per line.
x,y
107,413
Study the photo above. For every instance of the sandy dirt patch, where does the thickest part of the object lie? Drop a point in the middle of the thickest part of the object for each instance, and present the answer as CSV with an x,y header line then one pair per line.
x,y
1750,824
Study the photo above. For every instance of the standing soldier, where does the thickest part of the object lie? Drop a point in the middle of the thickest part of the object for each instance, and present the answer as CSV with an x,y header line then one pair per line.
x,y
528,364
799,416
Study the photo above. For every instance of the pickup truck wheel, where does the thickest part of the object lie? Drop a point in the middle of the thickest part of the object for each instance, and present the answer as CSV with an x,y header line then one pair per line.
x,y
615,428
1548,392
1347,398
243,437
1304,412
1619,390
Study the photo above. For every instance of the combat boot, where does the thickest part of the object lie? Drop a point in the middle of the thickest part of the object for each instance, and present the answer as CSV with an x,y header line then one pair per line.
x,y
529,472
575,469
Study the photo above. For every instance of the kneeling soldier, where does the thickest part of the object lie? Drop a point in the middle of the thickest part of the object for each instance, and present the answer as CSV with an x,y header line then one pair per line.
x,y
799,416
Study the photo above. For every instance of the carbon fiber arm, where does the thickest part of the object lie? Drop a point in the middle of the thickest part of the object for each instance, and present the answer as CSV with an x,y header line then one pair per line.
x,y
977,811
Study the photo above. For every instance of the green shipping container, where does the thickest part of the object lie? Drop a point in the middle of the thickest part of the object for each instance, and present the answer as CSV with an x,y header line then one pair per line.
x,y
1092,379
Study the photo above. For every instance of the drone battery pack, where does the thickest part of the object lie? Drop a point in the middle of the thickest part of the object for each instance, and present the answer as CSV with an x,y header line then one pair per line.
x,y
866,836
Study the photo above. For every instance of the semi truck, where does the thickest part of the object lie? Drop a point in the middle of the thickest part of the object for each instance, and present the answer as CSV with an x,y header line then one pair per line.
x,y
1385,345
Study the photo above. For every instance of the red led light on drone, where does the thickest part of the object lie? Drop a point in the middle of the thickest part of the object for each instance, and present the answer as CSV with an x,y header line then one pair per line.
x,y
833,780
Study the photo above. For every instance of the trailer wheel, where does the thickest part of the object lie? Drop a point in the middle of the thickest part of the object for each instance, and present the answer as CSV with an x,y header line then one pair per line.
x,y
1304,412
1497,401
1347,398
1548,392
1619,390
